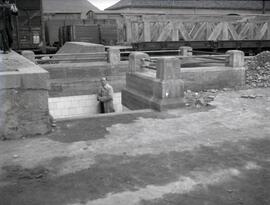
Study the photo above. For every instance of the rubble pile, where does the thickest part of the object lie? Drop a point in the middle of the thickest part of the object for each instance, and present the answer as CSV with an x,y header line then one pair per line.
x,y
199,99
258,71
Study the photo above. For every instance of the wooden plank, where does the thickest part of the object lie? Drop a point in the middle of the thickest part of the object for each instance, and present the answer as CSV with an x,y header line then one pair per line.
x,y
232,31
184,32
216,32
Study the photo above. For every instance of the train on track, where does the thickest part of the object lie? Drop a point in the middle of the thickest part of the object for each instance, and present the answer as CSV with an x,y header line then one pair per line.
x,y
250,33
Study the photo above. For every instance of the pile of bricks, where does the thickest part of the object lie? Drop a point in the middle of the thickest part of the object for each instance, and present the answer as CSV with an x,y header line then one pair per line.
x,y
258,71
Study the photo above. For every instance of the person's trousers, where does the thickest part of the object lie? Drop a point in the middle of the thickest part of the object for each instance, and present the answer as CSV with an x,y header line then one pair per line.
x,y
4,40
10,37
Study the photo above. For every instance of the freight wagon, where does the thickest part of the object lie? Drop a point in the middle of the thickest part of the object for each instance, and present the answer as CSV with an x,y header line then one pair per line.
x,y
28,25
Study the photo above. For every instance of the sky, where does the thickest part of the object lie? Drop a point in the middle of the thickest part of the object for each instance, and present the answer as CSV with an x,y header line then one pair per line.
x,y
102,4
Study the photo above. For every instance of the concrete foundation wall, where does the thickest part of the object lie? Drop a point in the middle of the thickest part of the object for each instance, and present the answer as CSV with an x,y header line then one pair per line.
x,y
23,98
141,83
197,79
158,90
134,100
73,79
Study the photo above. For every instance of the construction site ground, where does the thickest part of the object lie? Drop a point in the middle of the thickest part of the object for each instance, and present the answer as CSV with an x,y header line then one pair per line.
x,y
203,155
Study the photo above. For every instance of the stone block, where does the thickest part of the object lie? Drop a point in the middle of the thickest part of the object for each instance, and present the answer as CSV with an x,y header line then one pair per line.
x,y
136,61
168,68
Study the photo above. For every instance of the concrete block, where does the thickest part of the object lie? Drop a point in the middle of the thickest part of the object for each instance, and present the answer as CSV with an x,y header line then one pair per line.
x,y
168,68
135,61
185,51
235,59
9,81
29,55
147,92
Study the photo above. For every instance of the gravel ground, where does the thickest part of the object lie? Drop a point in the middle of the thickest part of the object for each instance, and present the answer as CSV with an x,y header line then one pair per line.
x,y
198,155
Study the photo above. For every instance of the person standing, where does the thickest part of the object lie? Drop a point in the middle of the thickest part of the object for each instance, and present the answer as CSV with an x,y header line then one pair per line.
x,y
105,97
6,27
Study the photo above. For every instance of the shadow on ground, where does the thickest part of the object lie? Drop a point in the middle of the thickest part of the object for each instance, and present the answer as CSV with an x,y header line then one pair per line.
x,y
96,128
115,174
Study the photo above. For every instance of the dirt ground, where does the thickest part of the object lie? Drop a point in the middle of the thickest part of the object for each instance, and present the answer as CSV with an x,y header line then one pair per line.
x,y
194,156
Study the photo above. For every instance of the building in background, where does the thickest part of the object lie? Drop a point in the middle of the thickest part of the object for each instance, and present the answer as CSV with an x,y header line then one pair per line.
x,y
66,9
194,6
